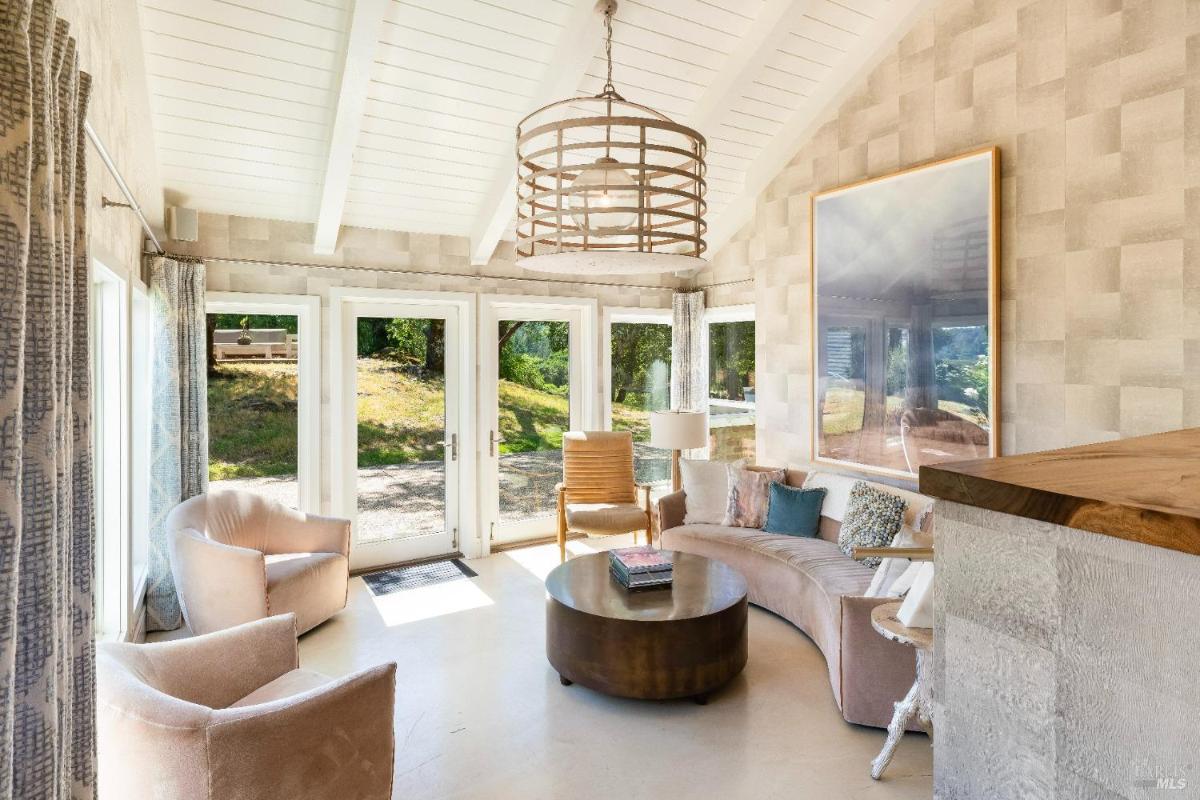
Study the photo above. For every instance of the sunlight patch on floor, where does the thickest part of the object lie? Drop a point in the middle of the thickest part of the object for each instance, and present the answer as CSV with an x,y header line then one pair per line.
x,y
427,602
542,558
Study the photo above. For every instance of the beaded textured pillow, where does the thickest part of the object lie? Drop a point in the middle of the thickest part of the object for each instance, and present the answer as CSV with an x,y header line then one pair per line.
x,y
749,492
873,518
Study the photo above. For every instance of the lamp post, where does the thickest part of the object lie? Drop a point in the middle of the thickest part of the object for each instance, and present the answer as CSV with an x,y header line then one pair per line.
x,y
676,431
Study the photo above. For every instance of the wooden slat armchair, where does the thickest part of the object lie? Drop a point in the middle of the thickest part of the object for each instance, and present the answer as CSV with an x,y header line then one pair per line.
x,y
598,494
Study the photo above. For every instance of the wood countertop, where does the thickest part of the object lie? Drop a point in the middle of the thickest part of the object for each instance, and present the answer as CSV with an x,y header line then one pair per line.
x,y
1144,489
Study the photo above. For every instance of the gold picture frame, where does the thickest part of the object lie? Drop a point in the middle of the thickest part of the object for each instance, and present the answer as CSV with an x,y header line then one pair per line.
x,y
895,438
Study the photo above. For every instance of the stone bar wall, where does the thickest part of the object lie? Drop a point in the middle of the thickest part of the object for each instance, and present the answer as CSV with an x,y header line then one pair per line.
x,y
1065,663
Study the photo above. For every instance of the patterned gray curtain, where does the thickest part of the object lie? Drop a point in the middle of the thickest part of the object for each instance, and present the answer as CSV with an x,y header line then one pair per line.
x,y
179,433
689,368
47,534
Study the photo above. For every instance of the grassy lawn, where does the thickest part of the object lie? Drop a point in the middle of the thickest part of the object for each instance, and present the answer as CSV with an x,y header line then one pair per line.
x,y
252,418
252,421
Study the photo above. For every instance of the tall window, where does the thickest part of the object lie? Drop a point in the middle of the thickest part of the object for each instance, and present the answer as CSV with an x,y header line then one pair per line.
x,y
640,382
109,446
253,379
731,391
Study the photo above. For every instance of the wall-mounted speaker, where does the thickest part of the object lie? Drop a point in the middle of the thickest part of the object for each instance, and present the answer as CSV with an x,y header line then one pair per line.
x,y
183,224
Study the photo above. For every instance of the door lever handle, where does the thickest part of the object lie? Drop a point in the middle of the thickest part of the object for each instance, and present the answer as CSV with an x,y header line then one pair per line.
x,y
493,440
453,445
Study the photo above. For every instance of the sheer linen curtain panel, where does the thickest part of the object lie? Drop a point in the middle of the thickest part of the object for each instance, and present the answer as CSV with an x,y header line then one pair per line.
x,y
179,431
47,535
689,361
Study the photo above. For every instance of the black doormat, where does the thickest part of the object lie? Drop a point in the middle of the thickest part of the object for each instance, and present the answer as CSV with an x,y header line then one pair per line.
x,y
397,579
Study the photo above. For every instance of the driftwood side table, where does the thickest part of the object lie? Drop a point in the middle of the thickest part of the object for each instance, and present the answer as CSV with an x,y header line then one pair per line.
x,y
918,702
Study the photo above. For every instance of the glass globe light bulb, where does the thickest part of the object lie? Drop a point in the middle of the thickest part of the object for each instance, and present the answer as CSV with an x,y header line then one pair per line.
x,y
605,187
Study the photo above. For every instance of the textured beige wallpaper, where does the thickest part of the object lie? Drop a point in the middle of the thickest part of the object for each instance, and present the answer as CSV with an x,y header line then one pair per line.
x,y
1095,105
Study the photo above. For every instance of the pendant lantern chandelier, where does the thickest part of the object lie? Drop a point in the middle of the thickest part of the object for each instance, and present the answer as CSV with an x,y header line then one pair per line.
x,y
606,186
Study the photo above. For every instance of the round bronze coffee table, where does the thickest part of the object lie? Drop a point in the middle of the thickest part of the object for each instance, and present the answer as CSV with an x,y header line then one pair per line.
x,y
652,644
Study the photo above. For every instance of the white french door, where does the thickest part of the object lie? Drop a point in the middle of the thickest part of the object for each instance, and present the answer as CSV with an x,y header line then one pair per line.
x,y
401,409
537,380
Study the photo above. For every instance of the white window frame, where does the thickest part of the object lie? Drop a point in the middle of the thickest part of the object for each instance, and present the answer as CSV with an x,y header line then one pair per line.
x,y
611,314
141,328
343,414
109,357
307,311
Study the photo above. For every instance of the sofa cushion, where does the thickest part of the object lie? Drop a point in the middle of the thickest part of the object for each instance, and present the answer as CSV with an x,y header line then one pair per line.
x,y
297,681
795,512
313,585
873,518
749,491
606,518
823,562
706,484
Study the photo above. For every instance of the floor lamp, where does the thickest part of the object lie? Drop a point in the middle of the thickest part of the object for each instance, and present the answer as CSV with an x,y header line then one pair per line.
x,y
676,431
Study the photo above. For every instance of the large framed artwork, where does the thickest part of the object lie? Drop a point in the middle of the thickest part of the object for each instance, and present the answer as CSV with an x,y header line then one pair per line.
x,y
905,316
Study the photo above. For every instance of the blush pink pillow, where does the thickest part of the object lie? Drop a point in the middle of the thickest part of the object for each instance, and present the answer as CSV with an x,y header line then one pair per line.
x,y
749,491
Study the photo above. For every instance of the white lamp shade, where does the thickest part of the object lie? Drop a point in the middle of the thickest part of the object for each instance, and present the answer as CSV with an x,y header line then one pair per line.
x,y
678,430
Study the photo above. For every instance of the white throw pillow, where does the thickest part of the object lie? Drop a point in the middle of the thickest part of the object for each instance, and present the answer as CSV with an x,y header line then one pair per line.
x,y
837,492
905,582
706,484
886,581
917,610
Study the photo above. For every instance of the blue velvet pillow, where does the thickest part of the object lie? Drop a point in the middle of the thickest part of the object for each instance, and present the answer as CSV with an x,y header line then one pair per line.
x,y
796,512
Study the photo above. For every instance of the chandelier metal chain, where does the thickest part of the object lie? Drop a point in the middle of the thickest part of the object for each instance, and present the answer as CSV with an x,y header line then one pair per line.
x,y
608,34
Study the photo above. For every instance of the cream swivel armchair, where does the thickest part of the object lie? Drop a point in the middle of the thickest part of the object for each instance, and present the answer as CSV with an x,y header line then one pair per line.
x,y
238,557
598,494
231,716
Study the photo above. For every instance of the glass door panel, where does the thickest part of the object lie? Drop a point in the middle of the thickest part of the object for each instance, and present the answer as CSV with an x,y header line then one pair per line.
x,y
538,377
401,422
534,410
398,429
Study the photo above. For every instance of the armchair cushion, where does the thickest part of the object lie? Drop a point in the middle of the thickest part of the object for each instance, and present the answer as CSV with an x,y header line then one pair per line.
x,y
606,518
298,681
311,585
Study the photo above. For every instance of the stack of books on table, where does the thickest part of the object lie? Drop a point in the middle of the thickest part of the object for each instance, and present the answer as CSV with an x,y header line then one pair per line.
x,y
640,567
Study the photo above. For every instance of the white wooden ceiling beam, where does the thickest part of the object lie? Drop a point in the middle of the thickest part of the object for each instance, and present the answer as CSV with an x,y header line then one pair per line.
x,y
563,74
768,31
878,41
366,24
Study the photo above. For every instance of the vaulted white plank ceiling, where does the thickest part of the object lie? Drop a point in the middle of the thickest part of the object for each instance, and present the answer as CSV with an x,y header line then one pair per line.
x,y
400,114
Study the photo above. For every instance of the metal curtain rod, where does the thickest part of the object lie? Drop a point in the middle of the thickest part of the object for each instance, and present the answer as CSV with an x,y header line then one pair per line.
x,y
94,138
431,274
719,284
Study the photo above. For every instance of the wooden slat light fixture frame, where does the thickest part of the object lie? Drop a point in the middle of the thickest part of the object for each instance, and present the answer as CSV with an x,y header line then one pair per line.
x,y
664,160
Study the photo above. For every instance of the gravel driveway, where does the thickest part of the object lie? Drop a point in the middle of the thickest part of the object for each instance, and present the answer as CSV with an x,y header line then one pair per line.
x,y
407,499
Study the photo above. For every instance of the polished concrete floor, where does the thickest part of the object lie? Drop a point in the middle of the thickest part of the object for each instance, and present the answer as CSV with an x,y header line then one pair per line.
x,y
481,714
